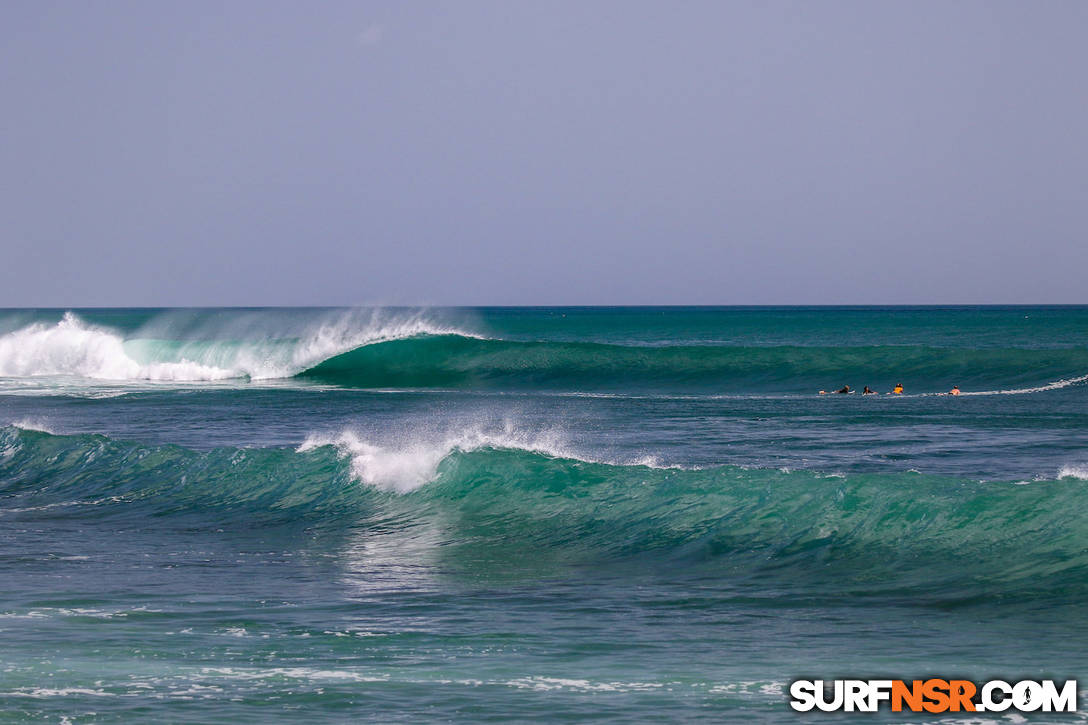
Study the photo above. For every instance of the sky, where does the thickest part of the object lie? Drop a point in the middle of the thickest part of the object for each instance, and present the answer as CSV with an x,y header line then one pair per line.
x,y
519,153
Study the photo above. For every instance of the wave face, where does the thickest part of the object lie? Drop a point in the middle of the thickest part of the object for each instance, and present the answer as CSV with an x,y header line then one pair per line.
x,y
505,494
453,361
416,349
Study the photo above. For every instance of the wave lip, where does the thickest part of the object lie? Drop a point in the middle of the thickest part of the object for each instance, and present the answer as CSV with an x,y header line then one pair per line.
x,y
349,332
415,463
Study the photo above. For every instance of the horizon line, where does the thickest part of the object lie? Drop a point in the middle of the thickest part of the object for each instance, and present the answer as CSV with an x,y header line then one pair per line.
x,y
930,305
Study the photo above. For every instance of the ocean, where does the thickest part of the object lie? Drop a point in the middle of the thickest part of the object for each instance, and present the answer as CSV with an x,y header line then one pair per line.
x,y
533,514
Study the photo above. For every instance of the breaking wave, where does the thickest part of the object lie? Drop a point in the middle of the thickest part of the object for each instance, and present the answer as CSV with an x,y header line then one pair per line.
x,y
72,347
507,497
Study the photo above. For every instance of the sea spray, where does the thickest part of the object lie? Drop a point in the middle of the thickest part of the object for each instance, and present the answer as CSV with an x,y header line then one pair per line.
x,y
72,347
414,462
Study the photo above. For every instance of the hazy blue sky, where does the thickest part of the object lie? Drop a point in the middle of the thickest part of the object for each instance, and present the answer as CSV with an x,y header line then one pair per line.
x,y
169,153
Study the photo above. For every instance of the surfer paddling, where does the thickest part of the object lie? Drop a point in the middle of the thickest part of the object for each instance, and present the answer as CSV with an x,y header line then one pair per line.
x,y
897,390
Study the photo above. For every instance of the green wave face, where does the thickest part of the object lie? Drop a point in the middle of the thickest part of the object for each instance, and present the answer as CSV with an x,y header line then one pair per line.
x,y
453,361
923,538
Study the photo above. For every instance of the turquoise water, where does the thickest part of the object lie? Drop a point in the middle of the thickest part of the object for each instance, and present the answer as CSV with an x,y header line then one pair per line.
x,y
551,514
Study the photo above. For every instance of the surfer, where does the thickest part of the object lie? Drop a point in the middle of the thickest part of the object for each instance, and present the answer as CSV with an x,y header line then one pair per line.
x,y
898,389
955,390
845,389
869,391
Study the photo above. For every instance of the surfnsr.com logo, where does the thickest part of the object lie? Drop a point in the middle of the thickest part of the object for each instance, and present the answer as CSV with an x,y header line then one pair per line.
x,y
933,695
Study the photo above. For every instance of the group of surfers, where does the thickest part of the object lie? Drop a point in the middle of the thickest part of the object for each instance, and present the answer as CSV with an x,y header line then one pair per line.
x,y
897,390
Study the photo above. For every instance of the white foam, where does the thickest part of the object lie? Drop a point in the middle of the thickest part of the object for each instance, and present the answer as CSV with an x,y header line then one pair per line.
x,y
300,673
44,692
774,689
413,461
1056,385
75,348
34,424
72,347
548,684
1074,471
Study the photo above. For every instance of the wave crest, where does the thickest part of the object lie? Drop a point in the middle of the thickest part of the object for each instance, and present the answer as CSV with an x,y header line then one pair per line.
x,y
414,463
72,347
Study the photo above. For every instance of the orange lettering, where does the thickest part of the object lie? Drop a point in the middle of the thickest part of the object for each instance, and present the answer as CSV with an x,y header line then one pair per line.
x,y
961,692
937,692
911,695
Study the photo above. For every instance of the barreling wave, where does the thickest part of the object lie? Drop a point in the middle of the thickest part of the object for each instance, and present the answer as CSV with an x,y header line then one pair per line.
x,y
455,361
510,500
72,347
